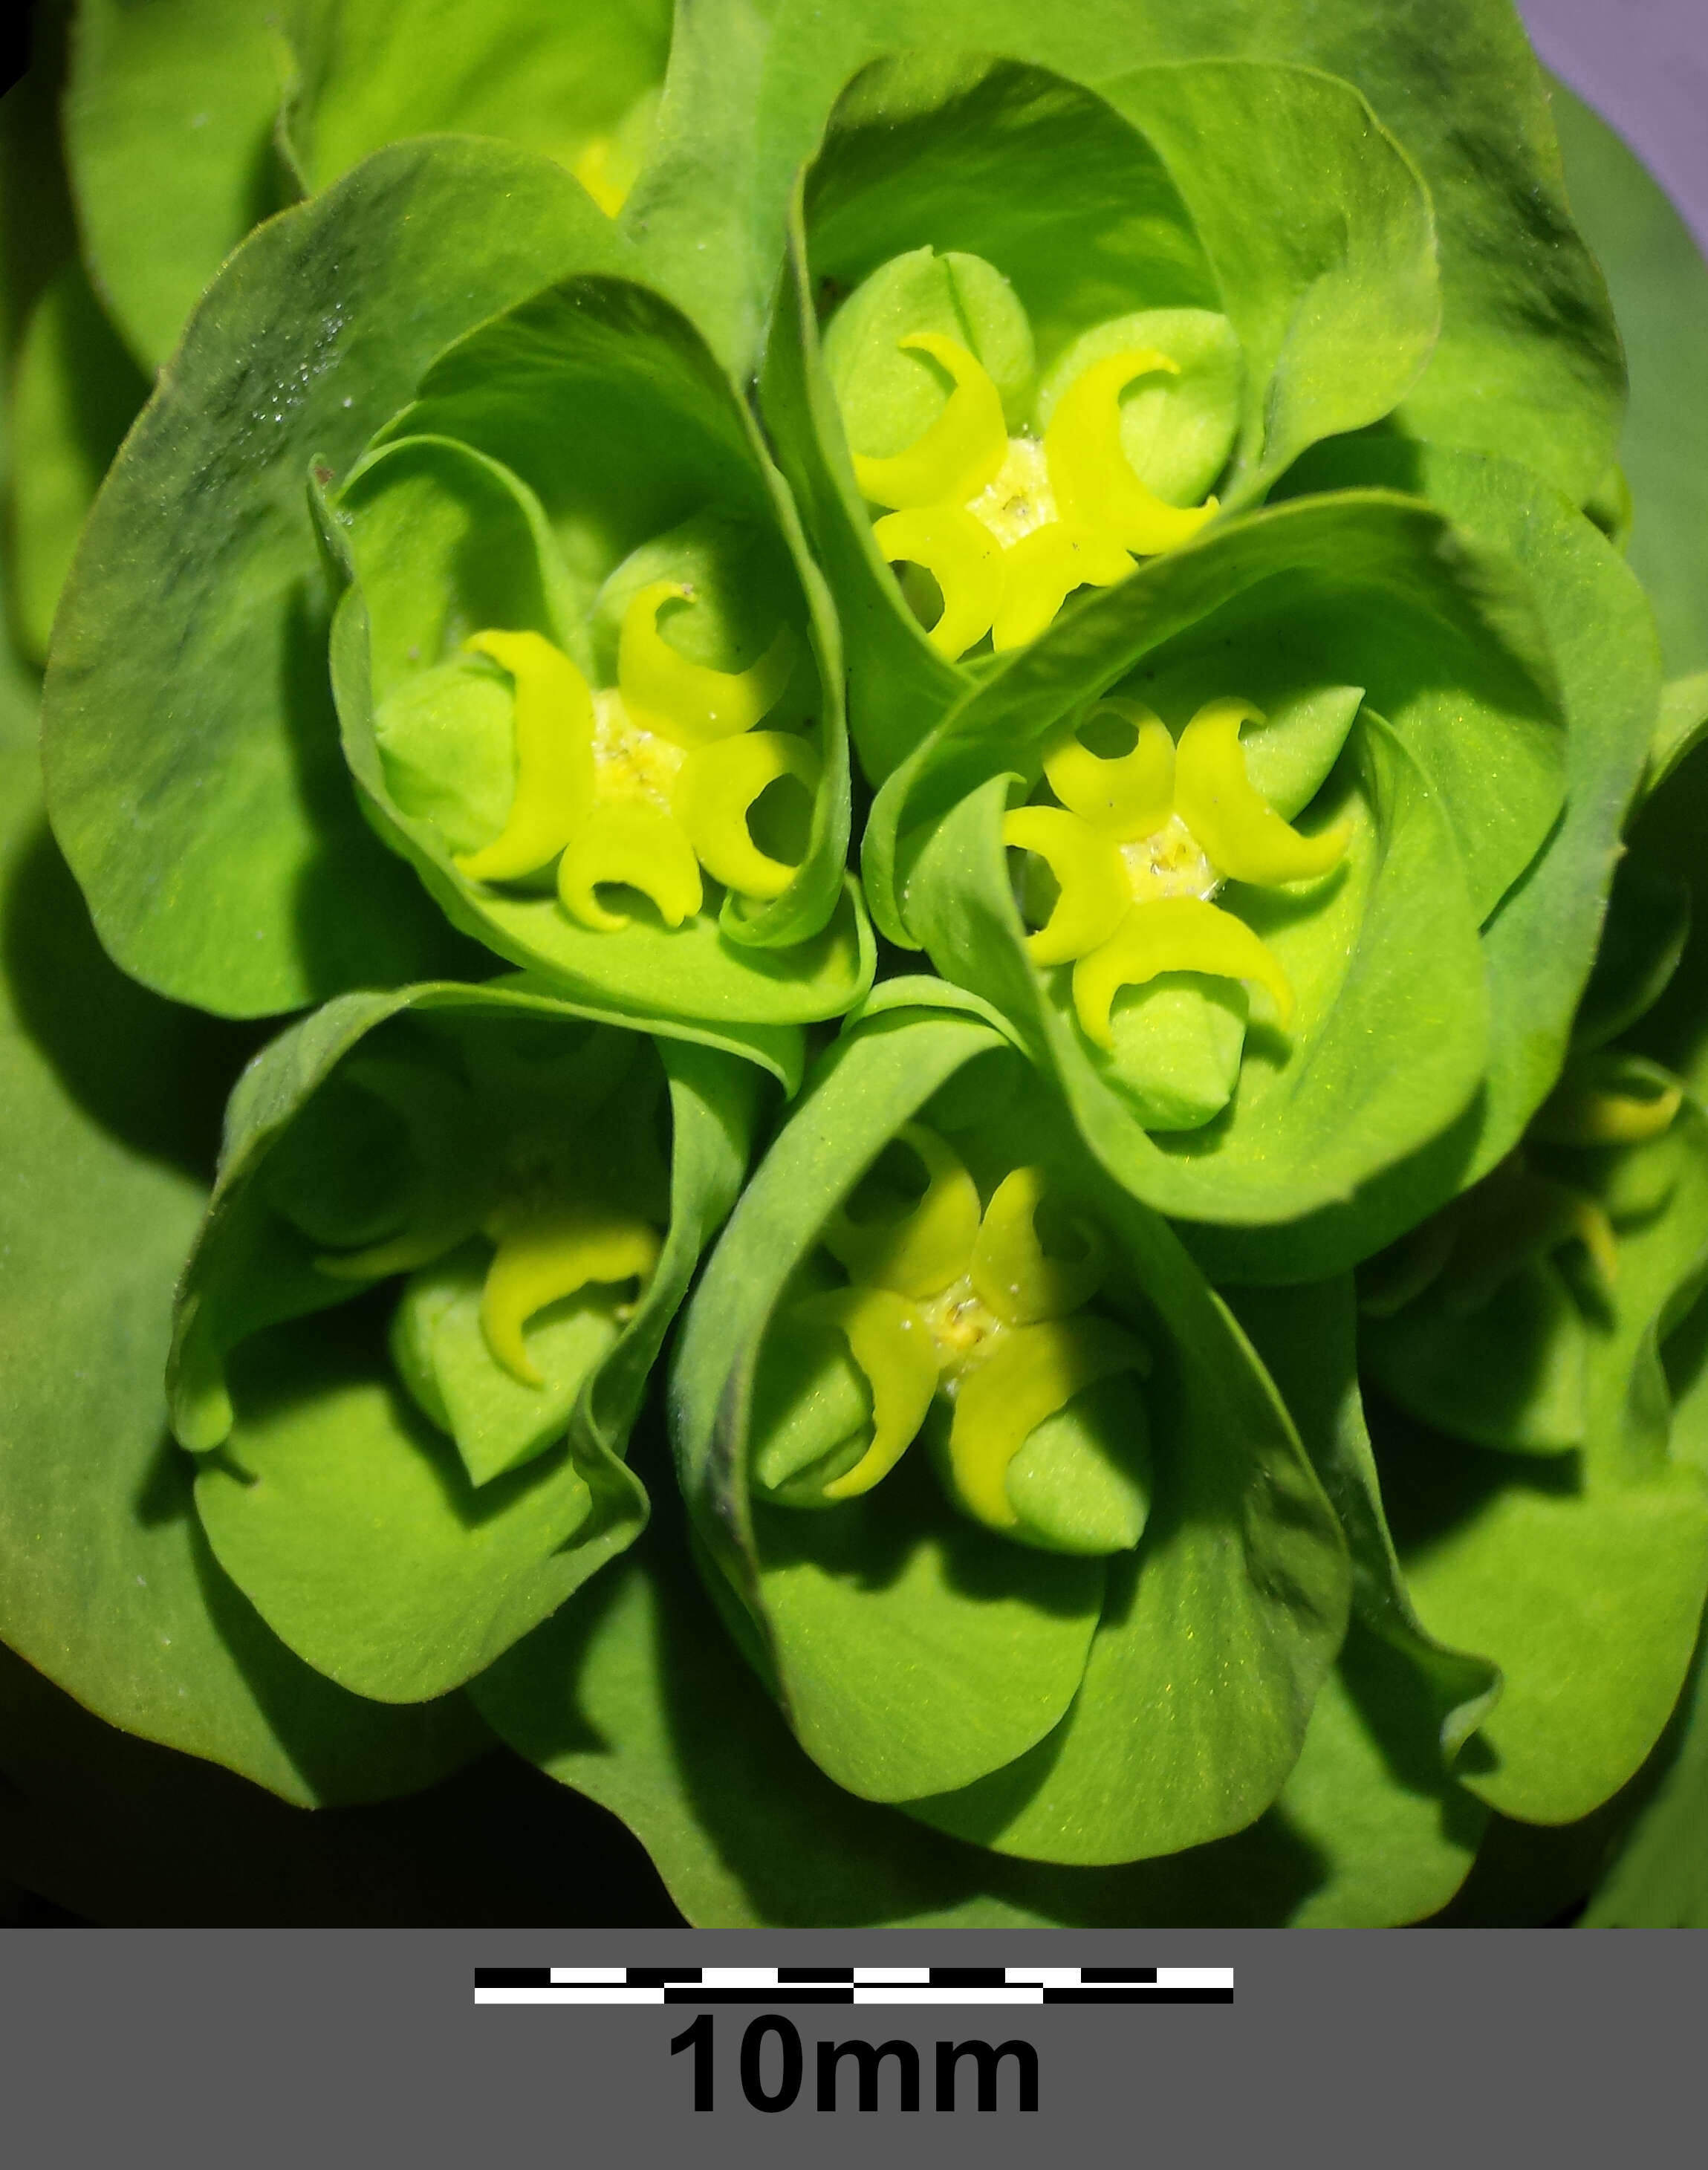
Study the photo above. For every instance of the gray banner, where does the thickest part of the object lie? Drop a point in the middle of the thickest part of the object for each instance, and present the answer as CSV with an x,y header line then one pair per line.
x,y
351,2047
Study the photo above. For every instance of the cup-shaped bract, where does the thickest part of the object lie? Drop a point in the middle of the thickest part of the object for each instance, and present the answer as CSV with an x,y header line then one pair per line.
x,y
1027,332
1260,800
1122,1532
318,333
451,1228
588,681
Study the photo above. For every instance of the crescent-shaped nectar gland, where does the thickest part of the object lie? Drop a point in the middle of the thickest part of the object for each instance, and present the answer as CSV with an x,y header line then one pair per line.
x,y
1095,484
687,703
958,454
1174,934
1124,795
961,555
633,844
1095,894
716,790
1242,835
554,727
928,1245
891,1343
546,1253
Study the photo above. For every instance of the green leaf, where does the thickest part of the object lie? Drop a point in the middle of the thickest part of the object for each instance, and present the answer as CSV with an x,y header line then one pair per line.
x,y
1312,598
169,128
1528,362
549,79
342,1512
1075,207
1540,946
1659,286
106,1583
194,771
1128,1771
598,429
636,1697
1584,1584
75,394
1306,1337
1318,231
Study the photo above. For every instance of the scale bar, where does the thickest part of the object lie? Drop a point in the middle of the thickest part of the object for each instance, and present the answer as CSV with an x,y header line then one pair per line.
x,y
945,1986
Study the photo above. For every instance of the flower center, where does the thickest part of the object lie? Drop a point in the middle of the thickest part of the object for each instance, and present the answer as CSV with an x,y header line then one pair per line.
x,y
1170,862
1021,500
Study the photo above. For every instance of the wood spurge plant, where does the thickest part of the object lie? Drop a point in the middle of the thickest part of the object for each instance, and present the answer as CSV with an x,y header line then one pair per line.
x,y
926,782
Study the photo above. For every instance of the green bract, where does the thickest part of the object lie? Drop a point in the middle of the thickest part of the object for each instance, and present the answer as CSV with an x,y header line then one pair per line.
x,y
843,1603
1044,232
279,892
1198,1413
403,1491
1395,688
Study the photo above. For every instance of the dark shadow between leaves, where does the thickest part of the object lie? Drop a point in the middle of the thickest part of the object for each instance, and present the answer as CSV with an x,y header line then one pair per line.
x,y
153,1075
1432,1485
133,1835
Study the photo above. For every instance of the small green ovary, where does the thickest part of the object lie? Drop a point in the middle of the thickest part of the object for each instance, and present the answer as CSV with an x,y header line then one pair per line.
x,y
976,1329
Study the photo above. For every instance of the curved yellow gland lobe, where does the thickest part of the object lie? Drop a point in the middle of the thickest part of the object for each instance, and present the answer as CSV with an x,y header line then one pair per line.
x,y
959,453
891,1345
1125,795
437,1115
638,845
546,1253
690,703
1590,1225
1012,1272
1095,484
1089,873
1584,1114
1243,835
1042,570
961,555
1174,934
1031,1372
716,791
593,169
554,730
926,1247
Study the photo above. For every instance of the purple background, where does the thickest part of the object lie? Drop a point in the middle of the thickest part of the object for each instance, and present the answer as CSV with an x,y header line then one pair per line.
x,y
1643,65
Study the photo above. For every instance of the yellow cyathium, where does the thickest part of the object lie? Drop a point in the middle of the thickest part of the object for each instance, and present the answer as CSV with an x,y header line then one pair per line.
x,y
976,1305
1009,527
642,786
1141,842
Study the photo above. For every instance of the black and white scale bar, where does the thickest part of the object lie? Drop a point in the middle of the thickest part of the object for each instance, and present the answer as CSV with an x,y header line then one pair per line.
x,y
868,1985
